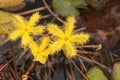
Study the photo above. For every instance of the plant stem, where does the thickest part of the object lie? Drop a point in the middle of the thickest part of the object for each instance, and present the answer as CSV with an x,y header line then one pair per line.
x,y
46,5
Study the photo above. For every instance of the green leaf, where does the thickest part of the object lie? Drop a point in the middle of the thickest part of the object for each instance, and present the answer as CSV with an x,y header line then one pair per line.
x,y
77,2
96,74
95,3
116,69
67,7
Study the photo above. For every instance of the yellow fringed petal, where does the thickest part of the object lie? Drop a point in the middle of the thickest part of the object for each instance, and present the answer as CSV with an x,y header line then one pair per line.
x,y
33,47
69,50
81,38
56,46
69,25
55,30
20,21
25,39
37,30
33,19
44,43
41,57
16,34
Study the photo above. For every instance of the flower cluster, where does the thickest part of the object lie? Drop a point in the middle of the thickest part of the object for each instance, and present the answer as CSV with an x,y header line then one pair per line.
x,y
61,38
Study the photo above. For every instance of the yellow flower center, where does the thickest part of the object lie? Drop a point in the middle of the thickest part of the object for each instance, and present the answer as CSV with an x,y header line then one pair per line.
x,y
66,38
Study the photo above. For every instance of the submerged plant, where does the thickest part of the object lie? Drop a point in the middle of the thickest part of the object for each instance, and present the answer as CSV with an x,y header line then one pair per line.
x,y
66,38
26,29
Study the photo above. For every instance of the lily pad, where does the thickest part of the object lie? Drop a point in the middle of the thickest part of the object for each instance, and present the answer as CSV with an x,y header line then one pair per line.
x,y
96,4
6,22
96,74
67,7
12,5
116,69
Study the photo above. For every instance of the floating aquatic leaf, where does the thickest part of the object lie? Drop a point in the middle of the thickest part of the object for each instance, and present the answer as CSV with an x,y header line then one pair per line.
x,y
6,22
96,74
12,5
116,69
67,7
95,3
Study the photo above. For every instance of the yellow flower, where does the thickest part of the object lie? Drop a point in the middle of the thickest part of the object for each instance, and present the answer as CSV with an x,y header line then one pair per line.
x,y
40,51
66,39
26,28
